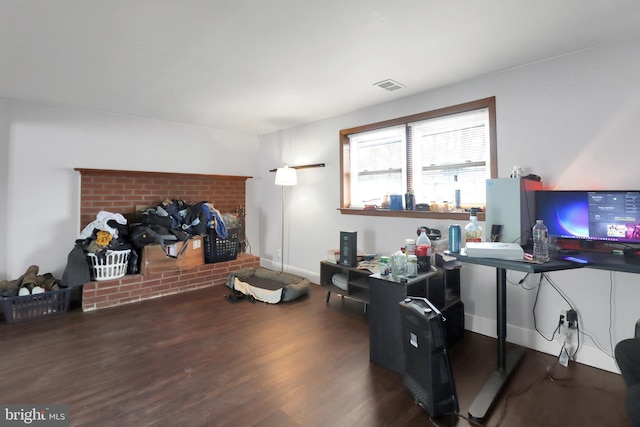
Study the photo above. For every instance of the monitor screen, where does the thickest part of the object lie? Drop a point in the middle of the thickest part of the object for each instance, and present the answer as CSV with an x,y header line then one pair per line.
x,y
609,216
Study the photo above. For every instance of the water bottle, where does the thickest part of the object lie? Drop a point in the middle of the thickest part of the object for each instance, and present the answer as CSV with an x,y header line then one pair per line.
x,y
456,192
540,242
410,201
517,172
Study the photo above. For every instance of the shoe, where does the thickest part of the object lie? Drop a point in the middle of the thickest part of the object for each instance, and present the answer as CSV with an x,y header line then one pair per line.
x,y
235,296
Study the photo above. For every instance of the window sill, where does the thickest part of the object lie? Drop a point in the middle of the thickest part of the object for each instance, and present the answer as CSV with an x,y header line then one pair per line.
x,y
410,214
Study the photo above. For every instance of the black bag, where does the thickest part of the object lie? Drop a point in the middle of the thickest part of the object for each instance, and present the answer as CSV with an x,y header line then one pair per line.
x,y
196,219
142,235
181,235
134,262
155,219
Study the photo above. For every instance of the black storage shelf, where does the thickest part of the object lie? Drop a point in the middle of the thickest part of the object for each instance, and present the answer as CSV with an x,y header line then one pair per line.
x,y
357,281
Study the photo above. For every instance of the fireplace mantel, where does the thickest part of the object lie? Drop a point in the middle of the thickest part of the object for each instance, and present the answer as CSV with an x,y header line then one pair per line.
x,y
116,172
121,191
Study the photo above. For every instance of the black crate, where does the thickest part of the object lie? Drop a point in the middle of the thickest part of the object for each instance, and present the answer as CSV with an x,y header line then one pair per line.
x,y
217,249
37,306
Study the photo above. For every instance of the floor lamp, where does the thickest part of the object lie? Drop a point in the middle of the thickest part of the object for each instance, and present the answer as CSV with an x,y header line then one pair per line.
x,y
285,176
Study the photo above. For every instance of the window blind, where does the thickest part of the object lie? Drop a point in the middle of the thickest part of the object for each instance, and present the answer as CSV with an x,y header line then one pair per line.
x,y
378,163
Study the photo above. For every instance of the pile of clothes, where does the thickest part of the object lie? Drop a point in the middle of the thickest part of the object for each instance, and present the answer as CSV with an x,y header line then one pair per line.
x,y
108,232
170,221
177,220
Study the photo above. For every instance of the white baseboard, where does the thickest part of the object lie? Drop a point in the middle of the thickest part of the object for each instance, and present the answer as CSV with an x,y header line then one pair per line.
x,y
313,276
587,354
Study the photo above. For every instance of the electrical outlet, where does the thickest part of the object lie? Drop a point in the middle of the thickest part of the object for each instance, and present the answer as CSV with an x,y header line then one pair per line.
x,y
567,334
562,324
563,315
278,254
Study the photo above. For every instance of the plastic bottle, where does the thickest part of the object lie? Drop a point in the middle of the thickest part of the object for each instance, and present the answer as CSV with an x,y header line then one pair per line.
x,y
423,252
473,230
540,242
517,172
456,192
410,201
384,266
410,246
398,264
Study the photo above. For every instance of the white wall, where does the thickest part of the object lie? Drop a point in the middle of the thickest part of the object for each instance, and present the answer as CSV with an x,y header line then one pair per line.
x,y
572,120
4,183
44,144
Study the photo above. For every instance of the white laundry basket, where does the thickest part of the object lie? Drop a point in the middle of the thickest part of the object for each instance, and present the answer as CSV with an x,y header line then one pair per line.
x,y
112,266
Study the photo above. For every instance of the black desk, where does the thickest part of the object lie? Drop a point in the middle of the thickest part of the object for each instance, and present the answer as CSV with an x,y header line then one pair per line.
x,y
606,261
385,323
506,361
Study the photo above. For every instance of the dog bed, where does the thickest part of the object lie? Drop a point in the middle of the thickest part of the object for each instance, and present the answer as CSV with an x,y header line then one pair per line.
x,y
267,285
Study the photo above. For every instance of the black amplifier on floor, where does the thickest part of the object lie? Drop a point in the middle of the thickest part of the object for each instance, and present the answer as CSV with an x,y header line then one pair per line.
x,y
427,372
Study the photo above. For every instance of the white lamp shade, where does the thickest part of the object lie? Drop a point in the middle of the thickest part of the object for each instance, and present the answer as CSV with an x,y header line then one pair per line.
x,y
286,176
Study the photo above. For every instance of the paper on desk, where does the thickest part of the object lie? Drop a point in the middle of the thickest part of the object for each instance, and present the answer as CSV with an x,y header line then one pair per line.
x,y
449,262
372,265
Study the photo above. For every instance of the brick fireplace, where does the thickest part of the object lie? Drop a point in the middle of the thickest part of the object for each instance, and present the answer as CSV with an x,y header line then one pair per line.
x,y
120,192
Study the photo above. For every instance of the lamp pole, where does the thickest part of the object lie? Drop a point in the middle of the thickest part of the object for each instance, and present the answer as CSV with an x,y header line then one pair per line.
x,y
282,237
285,176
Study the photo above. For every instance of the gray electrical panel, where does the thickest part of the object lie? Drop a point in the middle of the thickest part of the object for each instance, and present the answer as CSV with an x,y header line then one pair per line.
x,y
511,203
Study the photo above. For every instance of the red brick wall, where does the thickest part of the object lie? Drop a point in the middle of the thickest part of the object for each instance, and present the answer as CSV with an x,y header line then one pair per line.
x,y
121,191
137,287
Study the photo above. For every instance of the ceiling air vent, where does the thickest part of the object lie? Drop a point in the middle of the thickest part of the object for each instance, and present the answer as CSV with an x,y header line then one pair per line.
x,y
389,85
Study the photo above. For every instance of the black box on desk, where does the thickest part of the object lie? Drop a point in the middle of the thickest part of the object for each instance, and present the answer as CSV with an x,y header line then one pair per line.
x,y
427,373
348,248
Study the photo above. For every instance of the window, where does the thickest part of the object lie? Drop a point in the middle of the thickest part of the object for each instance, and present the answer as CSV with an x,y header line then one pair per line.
x,y
378,162
431,153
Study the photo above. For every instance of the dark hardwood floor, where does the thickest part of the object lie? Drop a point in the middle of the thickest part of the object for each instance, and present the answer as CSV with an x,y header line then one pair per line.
x,y
196,359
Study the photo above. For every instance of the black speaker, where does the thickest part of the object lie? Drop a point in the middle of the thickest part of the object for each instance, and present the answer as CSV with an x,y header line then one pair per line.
x,y
427,373
348,248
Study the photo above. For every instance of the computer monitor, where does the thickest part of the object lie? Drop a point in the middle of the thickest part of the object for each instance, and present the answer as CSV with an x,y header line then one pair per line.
x,y
605,216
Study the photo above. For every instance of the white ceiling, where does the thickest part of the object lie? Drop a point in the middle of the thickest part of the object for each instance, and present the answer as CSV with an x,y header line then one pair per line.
x,y
262,65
